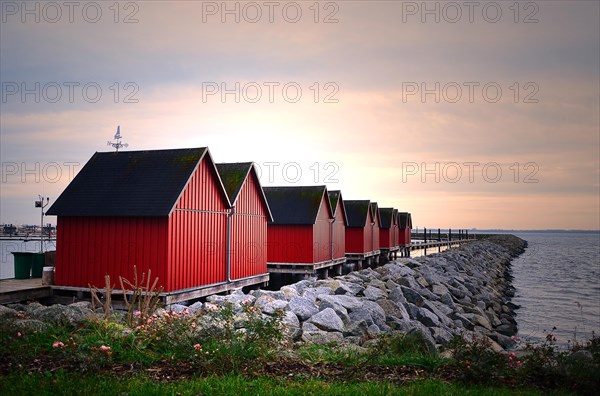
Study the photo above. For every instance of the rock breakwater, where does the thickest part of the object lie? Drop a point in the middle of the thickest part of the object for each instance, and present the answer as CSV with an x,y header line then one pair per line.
x,y
460,292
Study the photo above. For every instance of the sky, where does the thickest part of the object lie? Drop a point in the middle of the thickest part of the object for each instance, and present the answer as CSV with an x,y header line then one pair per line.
x,y
475,114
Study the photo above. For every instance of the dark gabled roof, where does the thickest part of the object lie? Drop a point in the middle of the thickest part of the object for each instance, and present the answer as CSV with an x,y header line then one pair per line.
x,y
234,175
356,212
387,216
335,196
404,220
375,212
130,183
295,205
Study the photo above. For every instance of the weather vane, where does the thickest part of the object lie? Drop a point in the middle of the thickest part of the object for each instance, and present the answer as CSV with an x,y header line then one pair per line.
x,y
117,144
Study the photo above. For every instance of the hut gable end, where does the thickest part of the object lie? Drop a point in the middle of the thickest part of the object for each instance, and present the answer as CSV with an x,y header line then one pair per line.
x,y
243,188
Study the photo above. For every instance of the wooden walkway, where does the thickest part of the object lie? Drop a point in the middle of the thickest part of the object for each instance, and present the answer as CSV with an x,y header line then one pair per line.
x,y
14,290
432,245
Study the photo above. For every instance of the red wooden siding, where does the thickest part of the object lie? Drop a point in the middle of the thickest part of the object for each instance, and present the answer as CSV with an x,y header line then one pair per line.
x,y
197,232
202,191
363,239
289,243
322,233
386,238
249,232
368,233
339,232
355,239
89,248
404,234
197,249
376,230
395,231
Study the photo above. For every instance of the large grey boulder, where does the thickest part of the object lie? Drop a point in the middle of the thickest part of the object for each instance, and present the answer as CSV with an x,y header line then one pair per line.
x,y
338,309
412,296
196,307
441,335
446,298
322,337
274,294
466,322
272,307
289,292
357,329
59,314
290,319
390,308
397,296
427,317
478,320
31,325
348,302
374,293
302,307
376,312
349,288
327,320
360,315
330,283
312,292
7,313
439,290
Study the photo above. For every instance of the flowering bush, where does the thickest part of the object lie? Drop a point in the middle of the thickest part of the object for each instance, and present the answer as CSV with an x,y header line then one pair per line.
x,y
479,363
167,333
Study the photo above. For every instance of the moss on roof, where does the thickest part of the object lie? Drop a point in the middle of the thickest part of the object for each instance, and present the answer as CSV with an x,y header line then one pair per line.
x,y
295,205
233,176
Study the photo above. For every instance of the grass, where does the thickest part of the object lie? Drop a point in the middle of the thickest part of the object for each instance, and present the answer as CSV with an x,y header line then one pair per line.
x,y
239,351
65,383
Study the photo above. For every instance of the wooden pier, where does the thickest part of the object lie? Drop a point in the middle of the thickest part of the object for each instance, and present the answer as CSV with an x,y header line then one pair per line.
x,y
15,290
322,269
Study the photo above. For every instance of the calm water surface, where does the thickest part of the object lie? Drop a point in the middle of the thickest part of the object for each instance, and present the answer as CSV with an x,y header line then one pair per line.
x,y
557,283
7,269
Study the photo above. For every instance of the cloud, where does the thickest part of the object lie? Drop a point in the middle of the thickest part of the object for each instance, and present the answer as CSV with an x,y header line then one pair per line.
x,y
157,78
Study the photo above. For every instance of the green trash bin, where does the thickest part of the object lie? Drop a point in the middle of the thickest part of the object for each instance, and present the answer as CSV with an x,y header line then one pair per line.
x,y
37,265
23,264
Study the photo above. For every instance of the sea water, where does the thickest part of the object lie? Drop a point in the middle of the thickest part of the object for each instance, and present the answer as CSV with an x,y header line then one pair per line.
x,y
557,281
7,269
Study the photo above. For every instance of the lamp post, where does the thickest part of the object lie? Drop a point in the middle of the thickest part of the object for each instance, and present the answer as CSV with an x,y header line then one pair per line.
x,y
40,204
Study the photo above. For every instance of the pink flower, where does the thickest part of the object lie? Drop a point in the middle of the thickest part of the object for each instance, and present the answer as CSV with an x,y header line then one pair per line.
x,y
19,334
513,354
149,321
519,363
104,348
58,344
197,347
138,314
194,325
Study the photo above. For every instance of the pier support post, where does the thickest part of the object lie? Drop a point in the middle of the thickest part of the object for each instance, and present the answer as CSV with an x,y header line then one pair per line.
x,y
359,265
337,270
